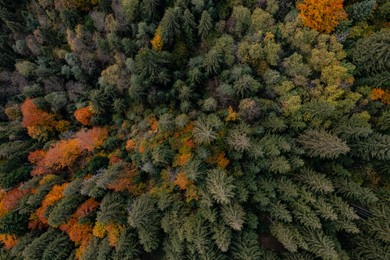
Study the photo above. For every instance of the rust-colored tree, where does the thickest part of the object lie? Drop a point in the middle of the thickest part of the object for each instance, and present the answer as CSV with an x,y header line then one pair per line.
x,y
86,208
62,154
91,139
322,15
84,115
8,240
10,199
37,121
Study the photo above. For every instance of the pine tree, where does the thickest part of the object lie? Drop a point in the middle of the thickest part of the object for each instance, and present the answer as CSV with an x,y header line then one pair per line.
x,y
245,246
322,144
205,25
205,129
220,186
233,216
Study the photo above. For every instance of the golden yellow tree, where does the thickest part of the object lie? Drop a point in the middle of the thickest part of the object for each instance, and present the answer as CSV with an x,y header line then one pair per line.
x,y
156,42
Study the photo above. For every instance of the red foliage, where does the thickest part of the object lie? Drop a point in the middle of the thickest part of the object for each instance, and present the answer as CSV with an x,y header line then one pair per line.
x,y
36,156
34,222
33,116
87,207
124,181
91,139
83,115
12,198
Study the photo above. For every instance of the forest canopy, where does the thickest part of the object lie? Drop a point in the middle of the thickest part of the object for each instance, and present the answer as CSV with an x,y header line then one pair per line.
x,y
194,129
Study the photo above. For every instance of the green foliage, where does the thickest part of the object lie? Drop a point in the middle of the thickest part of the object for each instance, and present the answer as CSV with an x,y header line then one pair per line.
x,y
322,144
63,210
205,129
235,131
59,248
376,147
361,11
144,217
370,54
220,186
112,209
35,250
14,223
233,216
205,25
245,246
170,25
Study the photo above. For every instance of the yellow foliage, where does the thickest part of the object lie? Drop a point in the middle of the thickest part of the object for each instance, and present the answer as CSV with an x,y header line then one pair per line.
x,y
232,115
99,230
156,42
221,160
114,231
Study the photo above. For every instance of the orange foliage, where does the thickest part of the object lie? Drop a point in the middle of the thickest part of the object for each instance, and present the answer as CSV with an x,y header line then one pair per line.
x,y
86,208
153,123
221,160
81,234
50,199
124,181
377,94
84,115
381,95
183,159
114,231
130,145
156,42
114,159
36,121
9,241
386,98
322,15
62,154
182,181
65,152
36,156
141,147
11,199
91,139
33,116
